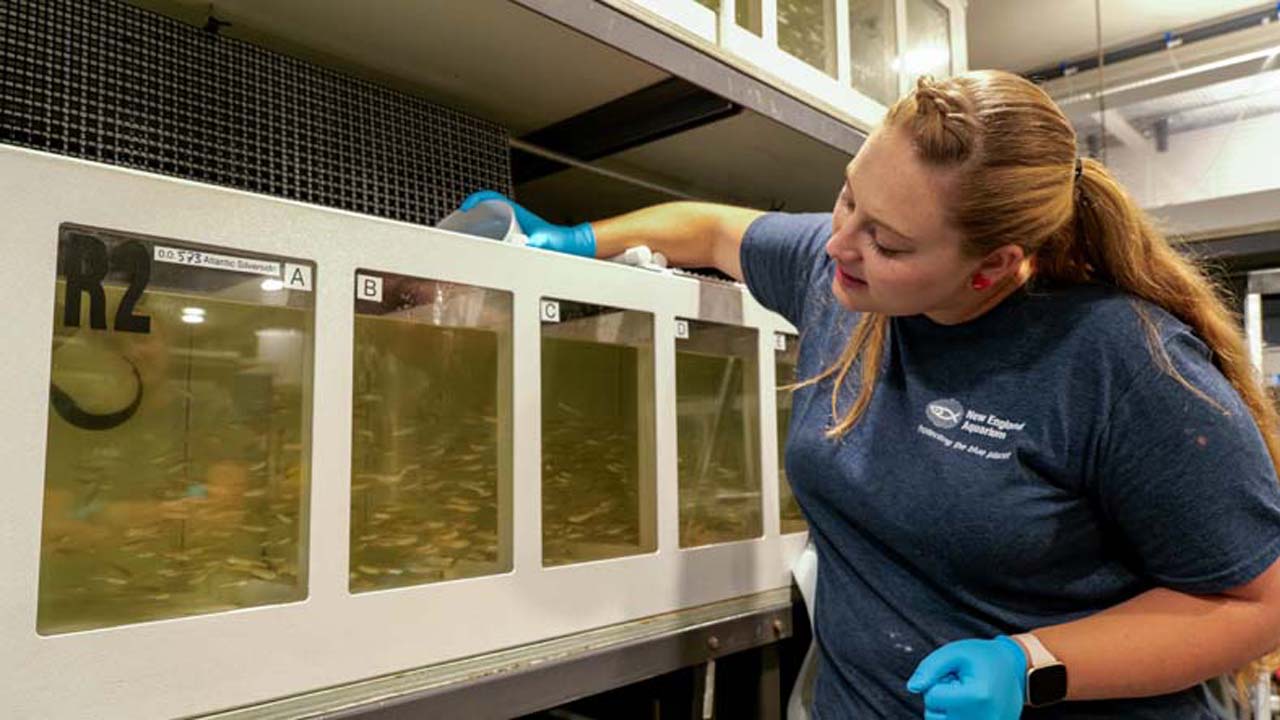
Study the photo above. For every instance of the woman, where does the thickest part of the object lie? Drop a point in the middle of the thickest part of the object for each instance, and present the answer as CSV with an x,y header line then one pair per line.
x,y
1029,436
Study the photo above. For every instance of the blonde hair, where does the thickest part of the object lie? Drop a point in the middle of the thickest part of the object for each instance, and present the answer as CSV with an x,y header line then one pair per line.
x,y
1013,153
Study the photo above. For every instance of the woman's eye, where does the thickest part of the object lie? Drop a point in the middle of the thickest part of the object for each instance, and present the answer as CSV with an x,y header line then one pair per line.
x,y
875,242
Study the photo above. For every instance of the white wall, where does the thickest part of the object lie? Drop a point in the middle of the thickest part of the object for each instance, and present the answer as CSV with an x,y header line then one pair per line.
x,y
1216,178
1202,164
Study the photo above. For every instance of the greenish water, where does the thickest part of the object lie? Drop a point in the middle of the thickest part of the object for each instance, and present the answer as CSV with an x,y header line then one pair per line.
x,y
192,504
597,487
427,440
718,447
792,519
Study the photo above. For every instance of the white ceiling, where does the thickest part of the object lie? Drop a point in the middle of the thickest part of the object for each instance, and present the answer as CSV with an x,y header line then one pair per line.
x,y
1023,35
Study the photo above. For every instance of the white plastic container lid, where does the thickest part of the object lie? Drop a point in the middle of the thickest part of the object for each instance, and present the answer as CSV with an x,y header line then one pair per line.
x,y
491,219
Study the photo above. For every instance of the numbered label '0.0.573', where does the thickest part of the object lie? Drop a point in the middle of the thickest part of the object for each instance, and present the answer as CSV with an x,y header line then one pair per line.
x,y
200,258
293,276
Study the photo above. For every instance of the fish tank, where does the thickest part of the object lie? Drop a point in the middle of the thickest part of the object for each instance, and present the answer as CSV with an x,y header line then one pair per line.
x,y
718,432
431,459
786,354
178,439
598,426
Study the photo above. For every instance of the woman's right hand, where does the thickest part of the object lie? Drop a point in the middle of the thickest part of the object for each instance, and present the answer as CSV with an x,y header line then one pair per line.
x,y
575,240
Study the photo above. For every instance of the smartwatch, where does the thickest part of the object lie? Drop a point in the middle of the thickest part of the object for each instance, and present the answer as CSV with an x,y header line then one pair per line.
x,y
1046,677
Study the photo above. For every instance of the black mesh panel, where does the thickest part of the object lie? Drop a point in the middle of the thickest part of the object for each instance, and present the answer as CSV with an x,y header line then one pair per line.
x,y
105,81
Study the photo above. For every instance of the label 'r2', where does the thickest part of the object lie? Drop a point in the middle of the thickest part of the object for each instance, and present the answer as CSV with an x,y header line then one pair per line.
x,y
87,264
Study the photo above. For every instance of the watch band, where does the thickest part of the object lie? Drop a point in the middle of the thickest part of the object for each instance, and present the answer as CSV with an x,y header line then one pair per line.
x,y
1047,677
1038,654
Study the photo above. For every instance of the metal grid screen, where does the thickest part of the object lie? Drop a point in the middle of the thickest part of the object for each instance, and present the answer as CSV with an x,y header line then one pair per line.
x,y
105,81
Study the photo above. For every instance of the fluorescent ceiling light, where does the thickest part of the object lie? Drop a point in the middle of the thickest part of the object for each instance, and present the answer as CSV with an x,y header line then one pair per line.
x,y
1263,54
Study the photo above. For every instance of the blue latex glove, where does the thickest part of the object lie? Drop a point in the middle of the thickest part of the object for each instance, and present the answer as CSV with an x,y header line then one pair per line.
x,y
576,240
972,680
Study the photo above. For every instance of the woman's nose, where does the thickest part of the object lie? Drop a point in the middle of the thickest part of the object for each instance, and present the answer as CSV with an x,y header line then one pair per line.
x,y
842,246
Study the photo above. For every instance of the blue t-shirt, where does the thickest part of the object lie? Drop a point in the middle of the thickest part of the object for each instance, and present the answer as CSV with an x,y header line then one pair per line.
x,y
1030,467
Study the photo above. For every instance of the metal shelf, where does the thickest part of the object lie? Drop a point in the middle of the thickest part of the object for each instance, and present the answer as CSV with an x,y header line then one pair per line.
x,y
539,676
532,64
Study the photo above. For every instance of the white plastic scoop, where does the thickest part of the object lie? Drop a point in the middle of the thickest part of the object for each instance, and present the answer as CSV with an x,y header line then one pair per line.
x,y
491,219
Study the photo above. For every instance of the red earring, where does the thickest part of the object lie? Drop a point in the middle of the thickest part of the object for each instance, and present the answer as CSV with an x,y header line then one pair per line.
x,y
981,282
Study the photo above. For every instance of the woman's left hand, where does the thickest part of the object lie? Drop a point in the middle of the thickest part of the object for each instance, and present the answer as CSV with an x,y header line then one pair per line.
x,y
972,680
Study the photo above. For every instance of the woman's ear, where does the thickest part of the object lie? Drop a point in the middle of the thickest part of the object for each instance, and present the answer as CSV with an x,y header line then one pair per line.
x,y
1003,262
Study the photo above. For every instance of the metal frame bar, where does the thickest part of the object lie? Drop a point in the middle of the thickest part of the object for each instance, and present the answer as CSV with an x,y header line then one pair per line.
x,y
1264,282
1238,247
661,110
528,679
900,44
844,69
629,178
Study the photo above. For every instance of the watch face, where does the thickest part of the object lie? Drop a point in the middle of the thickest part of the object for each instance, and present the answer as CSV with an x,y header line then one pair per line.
x,y
1046,685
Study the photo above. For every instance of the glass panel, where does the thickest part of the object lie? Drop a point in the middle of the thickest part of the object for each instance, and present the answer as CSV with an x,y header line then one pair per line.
x,y
1271,346
786,354
179,431
1271,325
718,445
807,30
928,40
748,15
431,432
872,48
598,480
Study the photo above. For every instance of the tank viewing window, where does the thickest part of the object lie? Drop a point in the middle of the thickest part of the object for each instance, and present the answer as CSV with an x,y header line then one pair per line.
x,y
176,471
928,41
718,432
431,432
786,352
873,46
807,30
598,453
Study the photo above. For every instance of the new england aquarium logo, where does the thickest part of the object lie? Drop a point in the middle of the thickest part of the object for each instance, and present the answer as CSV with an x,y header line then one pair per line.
x,y
945,414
